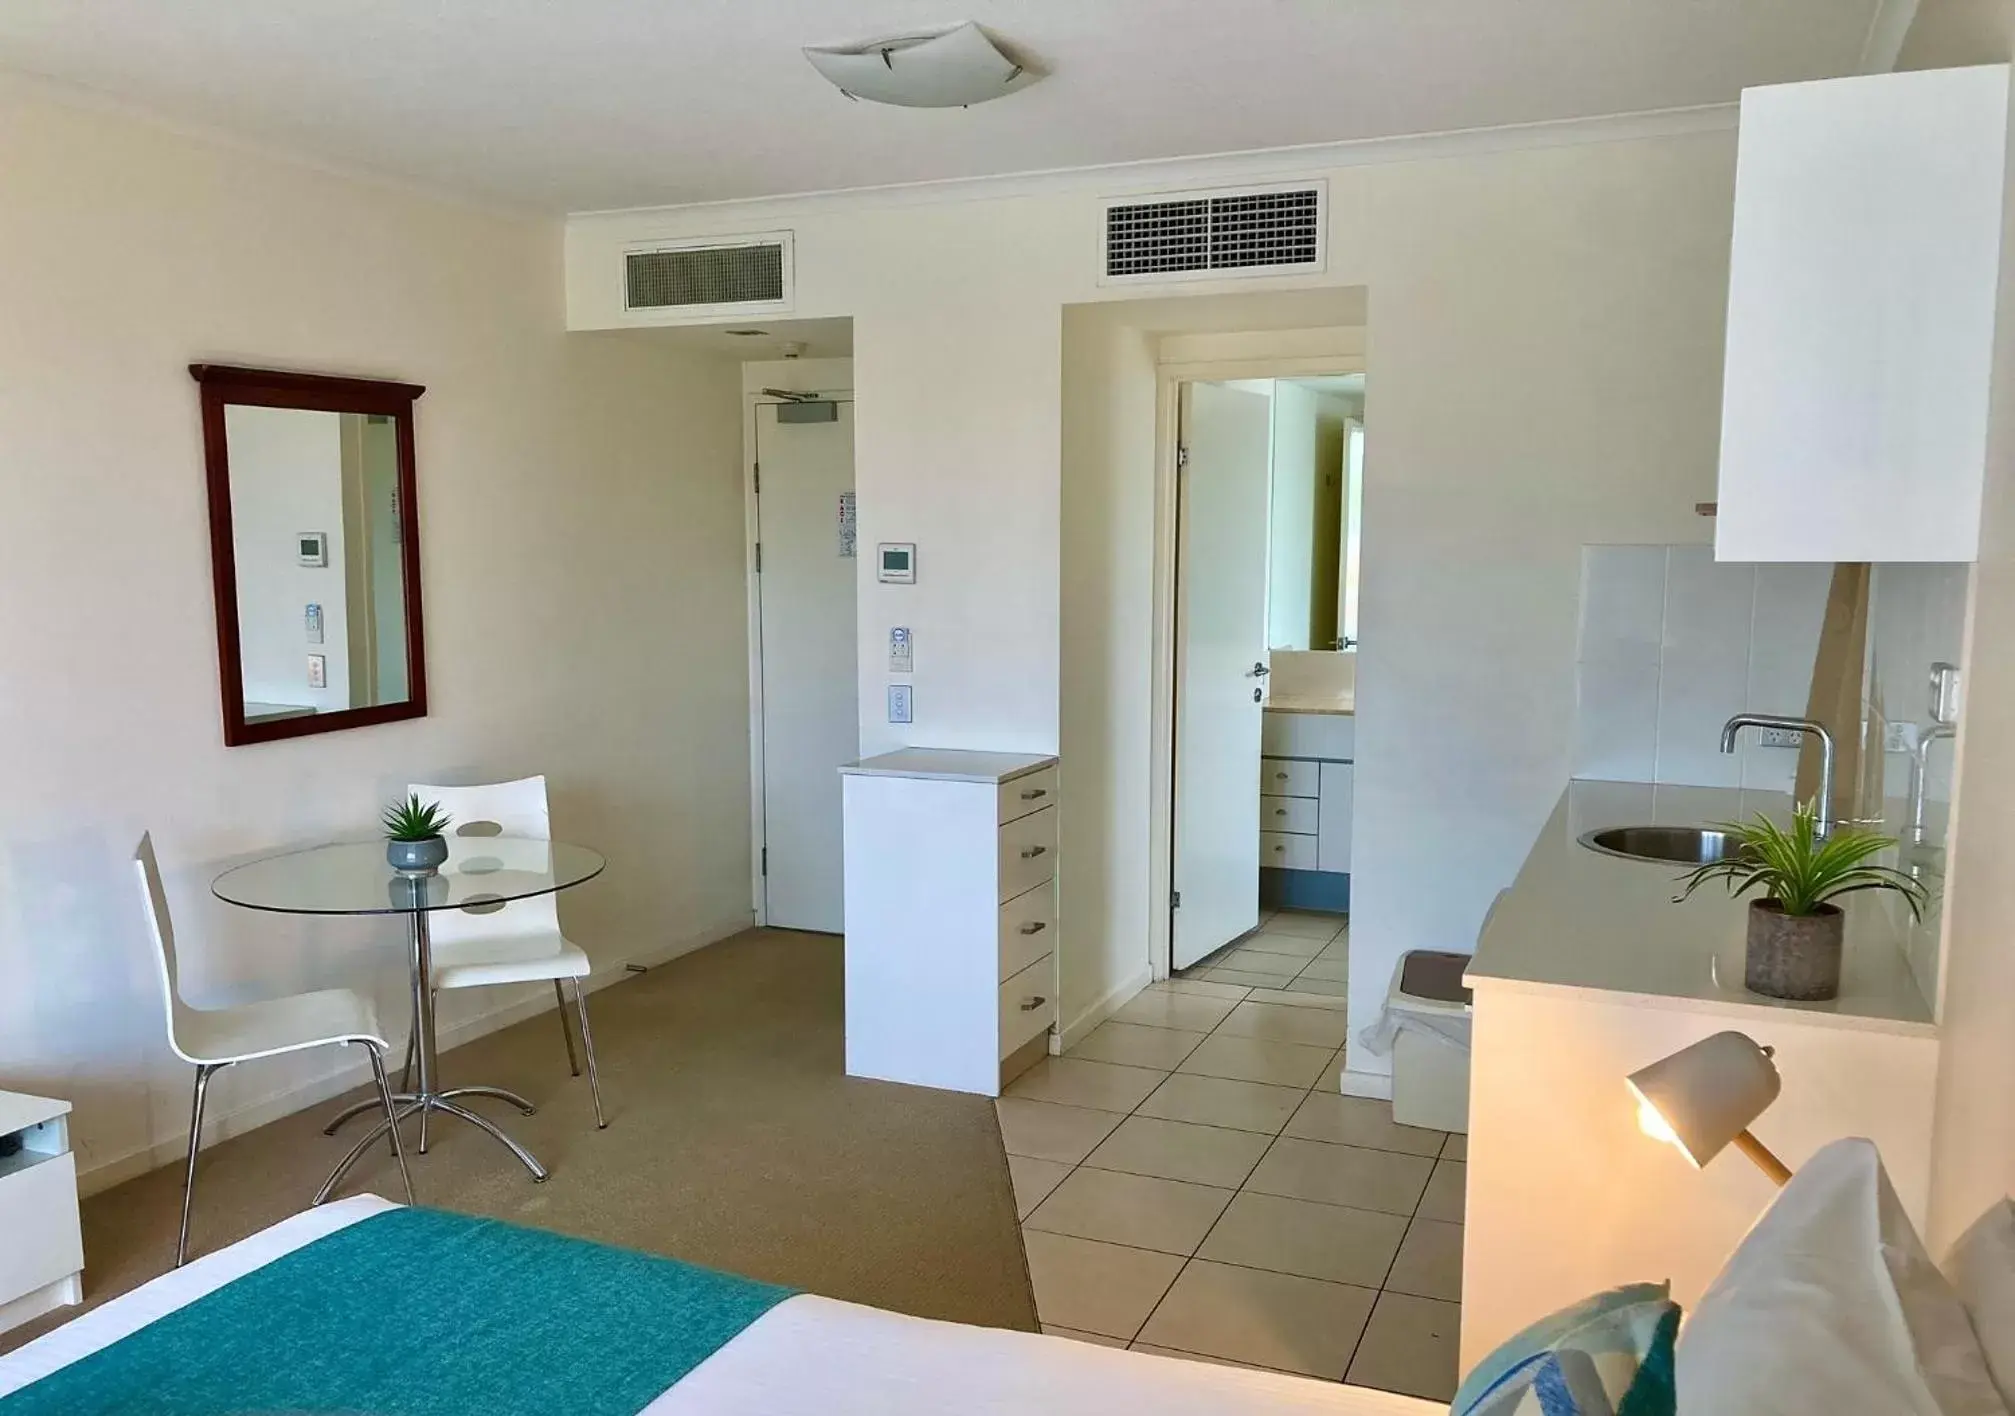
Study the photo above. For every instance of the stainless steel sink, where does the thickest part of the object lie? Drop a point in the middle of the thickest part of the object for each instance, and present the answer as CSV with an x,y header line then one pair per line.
x,y
1668,845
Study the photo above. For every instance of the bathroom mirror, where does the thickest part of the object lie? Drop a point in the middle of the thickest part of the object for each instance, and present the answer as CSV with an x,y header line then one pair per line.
x,y
1315,512
314,551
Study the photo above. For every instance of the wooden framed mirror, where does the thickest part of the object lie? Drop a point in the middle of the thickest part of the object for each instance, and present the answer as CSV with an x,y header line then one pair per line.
x,y
314,551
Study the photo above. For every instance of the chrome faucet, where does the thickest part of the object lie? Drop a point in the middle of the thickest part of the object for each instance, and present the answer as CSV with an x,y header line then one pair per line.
x,y
1823,824
1920,764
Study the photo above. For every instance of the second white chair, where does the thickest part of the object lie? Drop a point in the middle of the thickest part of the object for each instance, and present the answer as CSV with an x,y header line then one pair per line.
x,y
520,942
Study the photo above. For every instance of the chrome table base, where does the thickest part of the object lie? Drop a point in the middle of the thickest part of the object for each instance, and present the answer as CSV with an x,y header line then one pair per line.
x,y
424,1100
422,1105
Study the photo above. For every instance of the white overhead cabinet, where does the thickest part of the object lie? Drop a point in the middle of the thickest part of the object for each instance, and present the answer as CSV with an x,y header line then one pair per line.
x,y
1861,317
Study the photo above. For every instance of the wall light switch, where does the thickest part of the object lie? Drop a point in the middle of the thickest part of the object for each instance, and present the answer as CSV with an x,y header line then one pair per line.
x,y
318,671
902,659
899,703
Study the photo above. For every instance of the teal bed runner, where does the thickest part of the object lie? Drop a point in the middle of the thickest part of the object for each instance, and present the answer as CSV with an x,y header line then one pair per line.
x,y
416,1312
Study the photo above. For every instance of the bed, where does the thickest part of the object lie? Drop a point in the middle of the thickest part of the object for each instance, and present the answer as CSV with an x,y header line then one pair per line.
x,y
776,1352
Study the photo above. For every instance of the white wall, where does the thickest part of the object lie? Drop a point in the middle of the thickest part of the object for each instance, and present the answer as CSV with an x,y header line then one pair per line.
x,y
1545,335
1974,1141
1107,641
286,478
1672,644
571,490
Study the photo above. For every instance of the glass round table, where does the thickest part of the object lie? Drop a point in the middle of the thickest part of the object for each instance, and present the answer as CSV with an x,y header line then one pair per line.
x,y
482,874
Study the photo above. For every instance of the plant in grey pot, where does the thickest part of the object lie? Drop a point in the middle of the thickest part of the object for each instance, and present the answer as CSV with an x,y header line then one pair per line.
x,y
413,839
1795,930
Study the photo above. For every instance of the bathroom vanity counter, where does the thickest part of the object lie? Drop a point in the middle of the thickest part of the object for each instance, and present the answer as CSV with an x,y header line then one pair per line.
x,y
1336,704
1576,918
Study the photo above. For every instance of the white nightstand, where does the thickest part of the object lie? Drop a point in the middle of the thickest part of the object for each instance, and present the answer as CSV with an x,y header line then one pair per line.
x,y
42,1260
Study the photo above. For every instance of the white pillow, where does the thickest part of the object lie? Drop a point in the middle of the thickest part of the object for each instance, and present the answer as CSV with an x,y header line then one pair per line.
x,y
1831,1307
1982,1267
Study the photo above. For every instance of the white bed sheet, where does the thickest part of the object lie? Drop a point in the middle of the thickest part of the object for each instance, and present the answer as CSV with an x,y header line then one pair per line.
x,y
810,1355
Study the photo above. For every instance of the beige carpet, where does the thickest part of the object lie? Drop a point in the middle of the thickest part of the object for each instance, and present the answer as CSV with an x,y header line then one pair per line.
x,y
735,1140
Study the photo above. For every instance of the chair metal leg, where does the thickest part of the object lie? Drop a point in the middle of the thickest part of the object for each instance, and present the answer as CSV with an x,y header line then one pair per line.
x,y
204,1071
588,1046
560,997
412,1046
391,1116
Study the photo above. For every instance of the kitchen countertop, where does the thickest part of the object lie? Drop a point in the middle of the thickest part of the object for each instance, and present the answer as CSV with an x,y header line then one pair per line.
x,y
1575,918
946,764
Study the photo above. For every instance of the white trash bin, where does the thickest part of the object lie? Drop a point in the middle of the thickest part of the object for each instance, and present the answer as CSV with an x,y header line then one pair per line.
x,y
1426,1028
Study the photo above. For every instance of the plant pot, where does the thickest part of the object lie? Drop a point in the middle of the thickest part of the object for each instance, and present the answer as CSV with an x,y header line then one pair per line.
x,y
1794,956
417,856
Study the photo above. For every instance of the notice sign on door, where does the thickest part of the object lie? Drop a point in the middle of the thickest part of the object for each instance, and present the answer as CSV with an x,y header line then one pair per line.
x,y
848,540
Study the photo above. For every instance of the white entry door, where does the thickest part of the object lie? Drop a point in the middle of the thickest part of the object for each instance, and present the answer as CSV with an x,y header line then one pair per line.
x,y
1220,664
810,712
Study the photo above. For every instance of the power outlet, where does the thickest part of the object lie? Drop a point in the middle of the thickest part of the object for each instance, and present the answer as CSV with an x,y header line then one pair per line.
x,y
1780,737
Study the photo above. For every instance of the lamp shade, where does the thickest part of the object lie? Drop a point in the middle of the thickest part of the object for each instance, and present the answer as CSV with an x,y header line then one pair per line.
x,y
1704,1096
952,69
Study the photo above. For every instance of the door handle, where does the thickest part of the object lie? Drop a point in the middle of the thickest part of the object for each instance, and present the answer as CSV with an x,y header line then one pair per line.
x,y
1259,671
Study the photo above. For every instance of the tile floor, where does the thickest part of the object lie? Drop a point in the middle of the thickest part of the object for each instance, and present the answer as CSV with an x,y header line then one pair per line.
x,y
1191,1183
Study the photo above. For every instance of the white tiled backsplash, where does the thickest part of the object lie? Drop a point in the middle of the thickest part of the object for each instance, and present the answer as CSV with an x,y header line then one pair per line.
x,y
1671,644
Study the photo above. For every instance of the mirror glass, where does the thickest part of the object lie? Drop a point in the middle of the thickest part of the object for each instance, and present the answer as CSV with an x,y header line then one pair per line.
x,y
314,550
316,541
1316,511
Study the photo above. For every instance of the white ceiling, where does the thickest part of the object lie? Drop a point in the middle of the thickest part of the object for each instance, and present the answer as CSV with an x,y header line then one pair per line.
x,y
570,105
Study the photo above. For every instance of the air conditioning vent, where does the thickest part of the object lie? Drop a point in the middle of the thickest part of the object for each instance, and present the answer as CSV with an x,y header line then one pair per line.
x,y
1187,235
709,278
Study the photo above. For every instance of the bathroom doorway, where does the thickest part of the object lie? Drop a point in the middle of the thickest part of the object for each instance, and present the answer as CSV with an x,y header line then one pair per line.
x,y
1268,546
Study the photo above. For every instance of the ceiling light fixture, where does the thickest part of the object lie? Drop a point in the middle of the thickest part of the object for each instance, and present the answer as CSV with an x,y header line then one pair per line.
x,y
952,68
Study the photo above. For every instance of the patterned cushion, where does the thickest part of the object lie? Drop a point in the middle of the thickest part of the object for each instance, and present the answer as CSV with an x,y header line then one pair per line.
x,y
1610,1355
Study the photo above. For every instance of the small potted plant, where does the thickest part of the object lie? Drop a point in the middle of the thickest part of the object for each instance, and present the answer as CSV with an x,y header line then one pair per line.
x,y
1795,930
413,839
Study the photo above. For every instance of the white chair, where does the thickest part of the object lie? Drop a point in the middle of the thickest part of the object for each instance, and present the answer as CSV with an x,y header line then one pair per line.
x,y
520,942
215,1038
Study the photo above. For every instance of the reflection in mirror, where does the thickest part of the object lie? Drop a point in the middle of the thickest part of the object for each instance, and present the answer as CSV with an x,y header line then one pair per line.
x,y
315,536
1316,510
314,550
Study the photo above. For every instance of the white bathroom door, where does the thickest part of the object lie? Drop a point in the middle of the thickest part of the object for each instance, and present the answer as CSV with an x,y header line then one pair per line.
x,y
1221,566
810,712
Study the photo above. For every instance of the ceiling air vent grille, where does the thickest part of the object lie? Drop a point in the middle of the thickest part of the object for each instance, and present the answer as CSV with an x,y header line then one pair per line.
x,y
712,278
1250,231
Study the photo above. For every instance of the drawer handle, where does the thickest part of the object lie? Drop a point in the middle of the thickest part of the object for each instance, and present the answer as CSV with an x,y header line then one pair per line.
x,y
1280,776
1034,794
1280,811
1031,1004
1033,851
1035,928
1279,849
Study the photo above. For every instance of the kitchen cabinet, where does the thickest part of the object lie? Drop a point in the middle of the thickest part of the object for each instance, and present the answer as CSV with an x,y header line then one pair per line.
x,y
1861,304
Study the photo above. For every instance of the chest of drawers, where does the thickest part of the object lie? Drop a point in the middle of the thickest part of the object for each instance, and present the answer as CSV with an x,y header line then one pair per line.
x,y
952,931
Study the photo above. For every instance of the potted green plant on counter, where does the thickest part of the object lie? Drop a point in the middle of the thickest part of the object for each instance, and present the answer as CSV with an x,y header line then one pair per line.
x,y
1795,930
413,835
